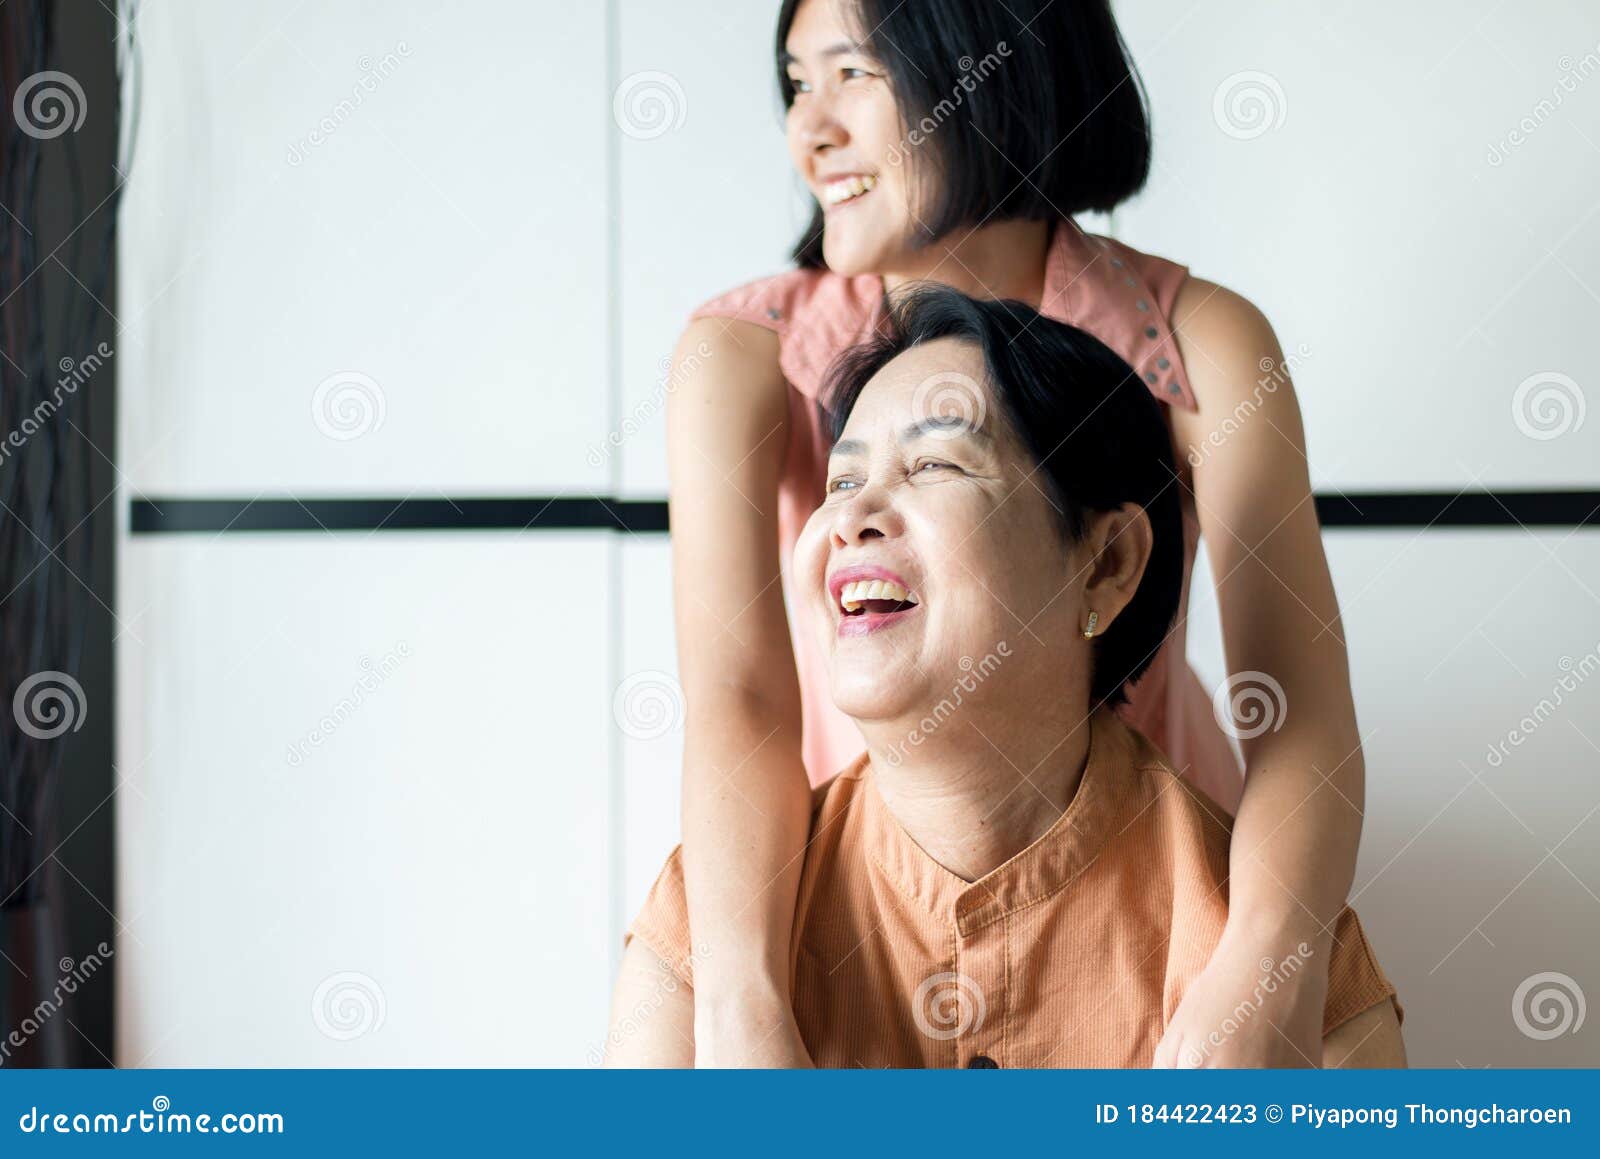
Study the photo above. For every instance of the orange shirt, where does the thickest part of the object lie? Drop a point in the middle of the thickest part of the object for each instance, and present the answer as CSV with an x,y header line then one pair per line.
x,y
1074,953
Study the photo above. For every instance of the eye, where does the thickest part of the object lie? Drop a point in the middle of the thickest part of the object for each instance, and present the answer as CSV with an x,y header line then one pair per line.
x,y
850,73
840,484
922,467
799,86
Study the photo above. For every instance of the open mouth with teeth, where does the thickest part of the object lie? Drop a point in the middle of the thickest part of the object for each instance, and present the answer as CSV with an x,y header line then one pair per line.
x,y
870,604
847,189
875,597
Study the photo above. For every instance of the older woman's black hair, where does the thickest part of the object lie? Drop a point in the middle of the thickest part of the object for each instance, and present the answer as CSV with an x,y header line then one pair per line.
x,y
1094,430
1056,126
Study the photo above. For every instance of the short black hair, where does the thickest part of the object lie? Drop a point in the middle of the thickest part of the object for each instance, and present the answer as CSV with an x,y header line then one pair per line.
x,y
1097,435
1057,126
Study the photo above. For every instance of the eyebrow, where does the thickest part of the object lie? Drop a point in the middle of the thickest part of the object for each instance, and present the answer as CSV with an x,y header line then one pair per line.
x,y
945,428
841,48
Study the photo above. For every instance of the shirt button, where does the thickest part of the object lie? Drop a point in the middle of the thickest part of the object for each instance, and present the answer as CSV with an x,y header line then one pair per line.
x,y
982,1062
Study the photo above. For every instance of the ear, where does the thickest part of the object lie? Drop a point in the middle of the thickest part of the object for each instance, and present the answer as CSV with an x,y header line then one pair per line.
x,y
1118,546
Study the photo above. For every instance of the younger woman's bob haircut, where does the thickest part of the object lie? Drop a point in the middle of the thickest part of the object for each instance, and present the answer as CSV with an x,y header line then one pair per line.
x,y
1027,109
1092,429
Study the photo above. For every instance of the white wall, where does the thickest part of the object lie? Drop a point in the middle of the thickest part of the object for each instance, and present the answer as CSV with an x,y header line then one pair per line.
x,y
504,253
1345,185
440,261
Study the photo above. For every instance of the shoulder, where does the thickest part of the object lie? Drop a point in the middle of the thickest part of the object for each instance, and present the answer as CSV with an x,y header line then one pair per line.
x,y
725,387
738,333
663,921
1238,369
835,804
1191,836
724,359
771,301
1206,313
812,313
1189,820
1232,343
839,793
1360,992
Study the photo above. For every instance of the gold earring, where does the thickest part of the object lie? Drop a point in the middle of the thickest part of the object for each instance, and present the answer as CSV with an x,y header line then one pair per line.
x,y
1094,618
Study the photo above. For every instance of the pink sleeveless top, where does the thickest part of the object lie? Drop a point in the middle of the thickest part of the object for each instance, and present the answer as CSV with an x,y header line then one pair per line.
x,y
1121,296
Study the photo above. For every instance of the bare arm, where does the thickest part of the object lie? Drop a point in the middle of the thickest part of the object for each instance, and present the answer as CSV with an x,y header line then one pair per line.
x,y
1298,826
1370,1039
746,799
652,1013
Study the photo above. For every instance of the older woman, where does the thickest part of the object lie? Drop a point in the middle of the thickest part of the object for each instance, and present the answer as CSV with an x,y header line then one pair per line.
x,y
1010,875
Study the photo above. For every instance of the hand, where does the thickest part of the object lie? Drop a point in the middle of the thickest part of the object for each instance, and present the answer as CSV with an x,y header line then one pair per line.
x,y
759,1033
1254,1005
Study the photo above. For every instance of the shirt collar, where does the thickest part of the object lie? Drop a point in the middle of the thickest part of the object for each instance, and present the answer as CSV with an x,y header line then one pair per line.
x,y
1050,864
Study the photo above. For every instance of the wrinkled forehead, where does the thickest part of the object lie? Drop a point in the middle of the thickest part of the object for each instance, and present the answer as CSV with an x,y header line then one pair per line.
x,y
934,389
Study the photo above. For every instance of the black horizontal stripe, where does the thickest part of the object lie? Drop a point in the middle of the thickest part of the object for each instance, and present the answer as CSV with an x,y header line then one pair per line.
x,y
1460,509
1415,509
157,516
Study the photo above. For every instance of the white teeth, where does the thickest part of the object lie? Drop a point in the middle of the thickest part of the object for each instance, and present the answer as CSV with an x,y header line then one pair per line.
x,y
855,593
842,190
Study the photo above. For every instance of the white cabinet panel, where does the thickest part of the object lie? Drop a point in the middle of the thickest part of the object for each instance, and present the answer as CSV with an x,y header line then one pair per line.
x,y
648,717
1480,853
708,197
389,277
1480,858
1352,169
364,805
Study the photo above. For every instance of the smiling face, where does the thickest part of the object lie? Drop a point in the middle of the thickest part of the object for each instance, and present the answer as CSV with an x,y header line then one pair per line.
x,y
845,139
930,491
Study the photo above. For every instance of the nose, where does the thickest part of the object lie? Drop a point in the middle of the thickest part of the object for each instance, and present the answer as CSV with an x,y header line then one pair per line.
x,y
870,514
814,125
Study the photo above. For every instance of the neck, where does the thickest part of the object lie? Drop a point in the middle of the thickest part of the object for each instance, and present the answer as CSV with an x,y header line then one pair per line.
x,y
1005,259
976,792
